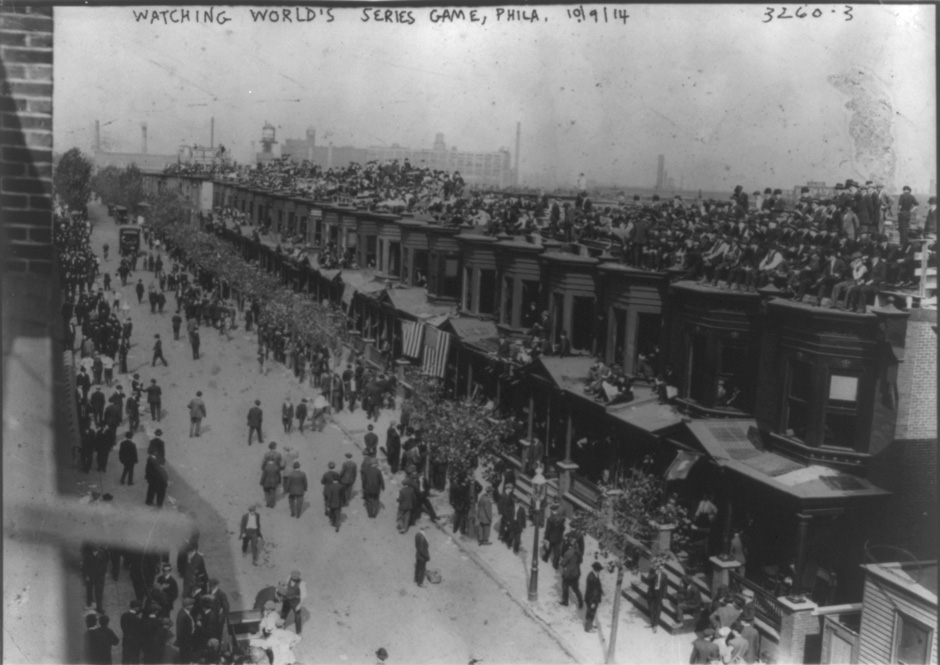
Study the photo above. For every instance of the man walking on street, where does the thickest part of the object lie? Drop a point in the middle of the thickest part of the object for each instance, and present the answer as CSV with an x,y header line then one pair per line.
x,y
371,440
287,415
197,411
347,477
177,323
393,447
301,413
407,500
158,352
270,481
422,555
373,483
154,399
570,574
593,592
127,456
333,493
554,534
484,517
194,342
295,594
157,480
251,532
255,417
296,486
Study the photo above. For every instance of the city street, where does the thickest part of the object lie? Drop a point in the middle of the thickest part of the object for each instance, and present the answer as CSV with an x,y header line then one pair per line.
x,y
361,593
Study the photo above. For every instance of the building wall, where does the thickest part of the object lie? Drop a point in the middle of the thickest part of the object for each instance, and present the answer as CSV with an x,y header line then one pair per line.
x,y
880,603
917,379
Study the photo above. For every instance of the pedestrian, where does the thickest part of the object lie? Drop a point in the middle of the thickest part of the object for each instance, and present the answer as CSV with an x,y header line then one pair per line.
x,y
347,477
326,480
373,483
484,517
140,291
220,607
157,480
177,321
130,634
333,493
104,442
83,381
185,629
301,413
460,501
107,366
89,439
407,500
287,415
156,446
750,634
96,403
393,447
422,555
554,535
704,649
94,569
738,551
270,480
132,406
518,526
251,532
100,639
296,486
371,441
506,506
158,352
657,584
197,411
593,592
294,593
255,416
154,399
168,587
127,456
194,342
571,574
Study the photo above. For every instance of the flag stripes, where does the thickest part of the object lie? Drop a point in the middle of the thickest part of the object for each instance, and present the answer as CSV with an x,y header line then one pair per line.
x,y
412,335
436,347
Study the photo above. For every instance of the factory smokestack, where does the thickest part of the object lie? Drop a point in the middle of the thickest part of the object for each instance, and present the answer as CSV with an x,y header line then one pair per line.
x,y
212,133
143,138
97,135
518,141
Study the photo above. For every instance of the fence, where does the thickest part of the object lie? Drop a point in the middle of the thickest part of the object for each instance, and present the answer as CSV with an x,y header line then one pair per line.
x,y
767,607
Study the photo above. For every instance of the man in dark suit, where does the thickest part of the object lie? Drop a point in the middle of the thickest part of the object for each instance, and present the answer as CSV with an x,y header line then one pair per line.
x,y
301,414
194,572
906,204
220,607
96,404
130,634
270,481
99,640
593,592
296,486
127,456
407,500
250,532
168,586
833,272
656,585
157,480
554,534
158,352
422,555
571,573
94,568
704,649
255,416
347,477
373,483
328,478
371,440
484,517
506,506
334,495
393,447
185,627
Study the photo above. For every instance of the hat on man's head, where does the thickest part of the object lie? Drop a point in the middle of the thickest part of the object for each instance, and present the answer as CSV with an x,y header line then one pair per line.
x,y
257,402
295,574
724,631
296,465
905,188
188,602
270,605
349,455
332,465
381,653
709,632
158,432
597,566
747,593
272,445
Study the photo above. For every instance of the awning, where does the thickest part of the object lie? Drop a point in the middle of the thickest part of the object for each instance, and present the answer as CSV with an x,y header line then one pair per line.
x,y
571,373
647,414
736,445
472,330
414,301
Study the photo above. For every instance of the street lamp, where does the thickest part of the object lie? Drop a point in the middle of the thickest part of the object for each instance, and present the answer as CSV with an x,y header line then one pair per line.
x,y
539,489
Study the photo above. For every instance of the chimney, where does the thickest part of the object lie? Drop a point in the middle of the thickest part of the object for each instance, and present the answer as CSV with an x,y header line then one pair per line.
x,y
97,135
143,137
212,133
518,139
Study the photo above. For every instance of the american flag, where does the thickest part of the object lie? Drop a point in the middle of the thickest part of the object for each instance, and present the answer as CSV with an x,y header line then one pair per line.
x,y
412,334
436,346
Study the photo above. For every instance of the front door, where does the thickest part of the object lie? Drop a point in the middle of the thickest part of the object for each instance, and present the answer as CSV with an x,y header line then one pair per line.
x,y
840,643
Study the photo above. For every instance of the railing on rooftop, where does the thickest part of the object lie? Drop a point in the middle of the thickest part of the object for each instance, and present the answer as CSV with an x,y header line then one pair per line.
x,y
768,608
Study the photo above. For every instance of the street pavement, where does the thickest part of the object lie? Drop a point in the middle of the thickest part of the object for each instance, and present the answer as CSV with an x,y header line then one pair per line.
x,y
361,593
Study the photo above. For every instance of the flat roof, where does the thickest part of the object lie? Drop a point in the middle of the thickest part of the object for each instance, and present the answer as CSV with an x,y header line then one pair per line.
x,y
916,577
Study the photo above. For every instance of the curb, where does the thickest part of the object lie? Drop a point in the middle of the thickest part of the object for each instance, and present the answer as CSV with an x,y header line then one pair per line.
x,y
561,641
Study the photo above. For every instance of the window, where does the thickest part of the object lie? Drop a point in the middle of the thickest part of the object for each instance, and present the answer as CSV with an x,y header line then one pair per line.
x,y
839,426
582,323
530,302
912,640
468,289
798,398
487,292
449,284
509,286
732,377
420,266
371,251
394,258
620,335
701,382
558,316
648,331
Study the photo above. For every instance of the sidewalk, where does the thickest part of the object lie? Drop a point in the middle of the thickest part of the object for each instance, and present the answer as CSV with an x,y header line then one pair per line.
x,y
635,640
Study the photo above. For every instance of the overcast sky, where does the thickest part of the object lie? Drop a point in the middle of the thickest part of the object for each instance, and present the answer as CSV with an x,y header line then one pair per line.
x,y
726,97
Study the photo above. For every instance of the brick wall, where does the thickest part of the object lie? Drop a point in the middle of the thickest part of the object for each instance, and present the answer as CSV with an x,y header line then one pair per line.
x,y
917,379
26,168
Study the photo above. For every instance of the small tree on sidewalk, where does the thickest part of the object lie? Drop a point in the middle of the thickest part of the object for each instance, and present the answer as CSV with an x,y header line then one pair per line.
x,y
72,179
624,525
457,431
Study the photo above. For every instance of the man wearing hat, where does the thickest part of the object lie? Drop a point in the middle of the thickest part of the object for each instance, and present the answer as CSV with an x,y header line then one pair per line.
x,y
704,649
906,204
130,634
251,532
296,486
185,627
295,592
127,456
255,416
347,477
333,496
270,481
593,592
740,648
554,535
930,224
157,479
300,412
197,411
373,483
154,399
422,554
371,440
326,480
158,352
484,516
220,607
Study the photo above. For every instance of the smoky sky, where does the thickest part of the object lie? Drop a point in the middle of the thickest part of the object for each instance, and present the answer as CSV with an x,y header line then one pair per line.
x,y
727,97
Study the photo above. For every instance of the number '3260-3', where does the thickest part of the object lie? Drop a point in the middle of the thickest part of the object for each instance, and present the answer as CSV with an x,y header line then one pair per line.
x,y
771,13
